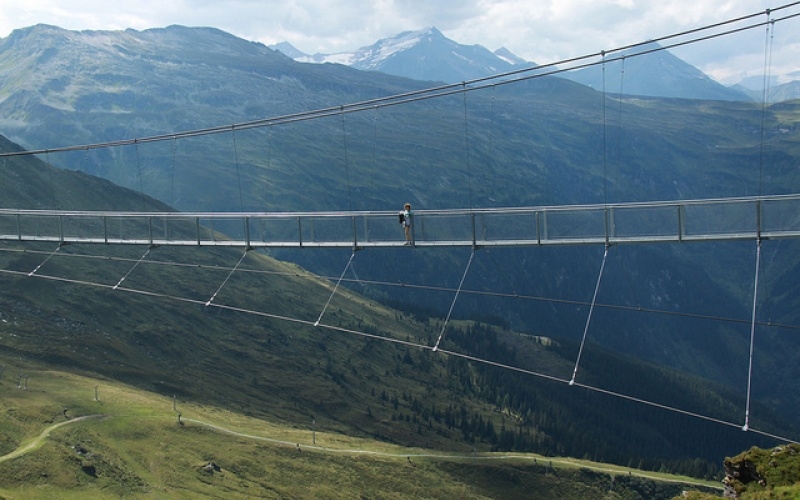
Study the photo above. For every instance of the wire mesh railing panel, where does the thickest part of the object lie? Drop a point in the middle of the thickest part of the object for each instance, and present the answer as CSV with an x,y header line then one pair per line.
x,y
516,226
83,228
720,218
691,220
9,225
574,224
379,229
327,230
442,227
644,222
128,229
279,230
780,216
48,227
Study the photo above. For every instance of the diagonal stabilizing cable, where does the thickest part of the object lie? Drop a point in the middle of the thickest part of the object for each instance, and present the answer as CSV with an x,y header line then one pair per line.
x,y
132,268
350,261
208,303
447,319
746,425
589,317
44,261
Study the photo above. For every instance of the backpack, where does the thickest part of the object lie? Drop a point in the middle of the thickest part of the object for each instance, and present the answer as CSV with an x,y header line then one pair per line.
x,y
402,217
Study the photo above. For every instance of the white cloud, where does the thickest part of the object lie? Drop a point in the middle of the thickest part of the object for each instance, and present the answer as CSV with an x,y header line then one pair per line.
x,y
541,31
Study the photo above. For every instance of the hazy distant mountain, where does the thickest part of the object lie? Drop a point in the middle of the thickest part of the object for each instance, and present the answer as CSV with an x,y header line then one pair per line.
x,y
780,88
655,74
506,55
428,55
422,55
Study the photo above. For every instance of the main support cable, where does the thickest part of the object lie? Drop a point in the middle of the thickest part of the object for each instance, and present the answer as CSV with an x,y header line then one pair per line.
x,y
539,71
589,316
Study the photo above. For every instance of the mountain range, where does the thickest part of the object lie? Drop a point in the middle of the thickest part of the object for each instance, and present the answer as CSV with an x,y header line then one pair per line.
x,y
540,141
421,55
645,70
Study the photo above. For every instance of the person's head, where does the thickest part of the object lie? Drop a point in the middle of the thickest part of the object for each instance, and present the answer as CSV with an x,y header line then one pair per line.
x,y
407,206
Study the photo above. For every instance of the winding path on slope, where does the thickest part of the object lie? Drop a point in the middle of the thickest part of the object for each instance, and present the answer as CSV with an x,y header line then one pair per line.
x,y
35,442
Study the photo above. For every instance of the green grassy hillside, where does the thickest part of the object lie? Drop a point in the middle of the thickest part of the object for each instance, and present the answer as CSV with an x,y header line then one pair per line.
x,y
760,474
82,437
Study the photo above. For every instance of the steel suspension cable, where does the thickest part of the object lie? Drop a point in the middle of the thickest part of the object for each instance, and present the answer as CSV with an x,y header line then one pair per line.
x,y
752,339
455,298
769,37
208,303
141,181
466,147
346,165
589,316
443,90
488,293
52,183
44,261
238,173
132,268
333,292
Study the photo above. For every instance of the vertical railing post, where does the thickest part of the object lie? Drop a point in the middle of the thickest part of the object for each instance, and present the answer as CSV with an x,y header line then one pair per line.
x,y
355,232
247,232
413,234
608,218
474,236
150,230
19,227
105,229
758,220
543,221
681,222
197,228
299,230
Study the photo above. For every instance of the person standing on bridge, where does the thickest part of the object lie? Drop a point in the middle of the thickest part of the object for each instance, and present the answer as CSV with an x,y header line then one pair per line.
x,y
405,219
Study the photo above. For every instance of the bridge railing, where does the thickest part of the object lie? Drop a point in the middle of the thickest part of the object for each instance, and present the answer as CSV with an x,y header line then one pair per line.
x,y
675,221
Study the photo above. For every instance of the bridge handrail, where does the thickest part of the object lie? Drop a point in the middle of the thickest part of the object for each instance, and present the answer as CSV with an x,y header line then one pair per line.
x,y
717,219
384,213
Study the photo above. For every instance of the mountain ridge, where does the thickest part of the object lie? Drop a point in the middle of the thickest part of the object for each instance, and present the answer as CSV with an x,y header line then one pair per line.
x,y
424,54
427,54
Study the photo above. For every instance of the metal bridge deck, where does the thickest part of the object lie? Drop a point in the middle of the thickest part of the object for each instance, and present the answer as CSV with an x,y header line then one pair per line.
x,y
721,219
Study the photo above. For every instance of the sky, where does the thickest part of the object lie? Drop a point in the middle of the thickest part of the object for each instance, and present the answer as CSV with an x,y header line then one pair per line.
x,y
541,31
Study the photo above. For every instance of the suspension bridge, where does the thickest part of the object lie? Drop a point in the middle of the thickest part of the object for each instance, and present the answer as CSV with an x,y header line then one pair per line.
x,y
721,219
755,218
